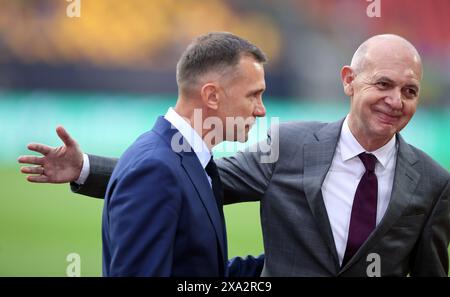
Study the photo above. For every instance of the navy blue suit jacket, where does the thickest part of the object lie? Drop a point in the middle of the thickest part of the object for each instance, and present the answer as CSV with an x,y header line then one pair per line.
x,y
160,216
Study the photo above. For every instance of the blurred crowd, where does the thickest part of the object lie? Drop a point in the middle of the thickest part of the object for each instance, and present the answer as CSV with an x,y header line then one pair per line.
x,y
133,46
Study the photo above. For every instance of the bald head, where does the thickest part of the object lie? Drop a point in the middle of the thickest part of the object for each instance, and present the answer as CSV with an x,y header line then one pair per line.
x,y
383,84
385,47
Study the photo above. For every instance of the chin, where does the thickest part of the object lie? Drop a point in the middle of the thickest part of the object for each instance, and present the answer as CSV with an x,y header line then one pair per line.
x,y
385,133
382,128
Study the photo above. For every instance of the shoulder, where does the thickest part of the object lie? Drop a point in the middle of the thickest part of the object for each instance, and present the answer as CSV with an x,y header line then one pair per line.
x,y
436,175
148,153
301,126
295,132
429,163
144,172
287,139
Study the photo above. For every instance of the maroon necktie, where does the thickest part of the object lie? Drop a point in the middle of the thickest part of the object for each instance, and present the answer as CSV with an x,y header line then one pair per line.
x,y
364,209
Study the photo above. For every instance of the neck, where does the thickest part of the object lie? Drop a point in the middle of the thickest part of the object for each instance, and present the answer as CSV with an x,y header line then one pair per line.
x,y
195,114
370,144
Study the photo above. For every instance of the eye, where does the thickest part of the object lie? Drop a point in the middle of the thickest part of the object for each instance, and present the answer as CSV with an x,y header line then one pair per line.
x,y
410,93
255,94
382,85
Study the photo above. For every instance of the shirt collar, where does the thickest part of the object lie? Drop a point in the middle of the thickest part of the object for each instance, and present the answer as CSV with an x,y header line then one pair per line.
x,y
351,148
195,141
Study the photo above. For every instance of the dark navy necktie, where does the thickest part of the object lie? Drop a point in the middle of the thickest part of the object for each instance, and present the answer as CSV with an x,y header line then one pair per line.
x,y
364,209
213,173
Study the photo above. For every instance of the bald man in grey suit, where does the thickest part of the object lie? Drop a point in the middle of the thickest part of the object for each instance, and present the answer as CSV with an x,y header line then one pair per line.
x,y
307,195
349,198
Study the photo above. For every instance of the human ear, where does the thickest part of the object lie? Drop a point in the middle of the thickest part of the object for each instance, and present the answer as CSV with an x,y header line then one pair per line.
x,y
347,77
210,95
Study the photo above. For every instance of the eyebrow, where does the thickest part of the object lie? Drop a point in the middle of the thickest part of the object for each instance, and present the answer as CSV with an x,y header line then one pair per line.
x,y
255,91
388,80
385,79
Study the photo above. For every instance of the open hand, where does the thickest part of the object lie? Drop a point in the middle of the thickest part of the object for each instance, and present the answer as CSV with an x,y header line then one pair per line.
x,y
57,165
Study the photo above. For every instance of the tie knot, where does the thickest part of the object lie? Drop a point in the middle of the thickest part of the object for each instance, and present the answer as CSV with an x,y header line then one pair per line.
x,y
369,161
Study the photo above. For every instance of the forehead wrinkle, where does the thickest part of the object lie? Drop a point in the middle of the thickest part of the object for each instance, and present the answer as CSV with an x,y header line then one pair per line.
x,y
396,78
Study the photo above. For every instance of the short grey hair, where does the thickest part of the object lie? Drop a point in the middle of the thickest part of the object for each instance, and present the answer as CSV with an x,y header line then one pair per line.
x,y
214,51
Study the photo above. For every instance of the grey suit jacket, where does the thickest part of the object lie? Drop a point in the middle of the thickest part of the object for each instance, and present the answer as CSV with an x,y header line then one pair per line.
x,y
100,171
412,237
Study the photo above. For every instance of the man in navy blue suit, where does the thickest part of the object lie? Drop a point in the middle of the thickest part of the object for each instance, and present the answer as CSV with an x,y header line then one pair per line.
x,y
163,211
163,208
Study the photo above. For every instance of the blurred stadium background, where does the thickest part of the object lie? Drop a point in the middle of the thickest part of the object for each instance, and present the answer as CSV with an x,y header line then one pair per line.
x,y
107,75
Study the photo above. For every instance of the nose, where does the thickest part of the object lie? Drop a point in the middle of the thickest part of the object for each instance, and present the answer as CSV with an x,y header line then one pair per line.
x,y
260,110
394,100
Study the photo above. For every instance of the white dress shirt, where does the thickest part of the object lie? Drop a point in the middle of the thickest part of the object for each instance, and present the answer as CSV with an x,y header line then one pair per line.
x,y
341,181
195,141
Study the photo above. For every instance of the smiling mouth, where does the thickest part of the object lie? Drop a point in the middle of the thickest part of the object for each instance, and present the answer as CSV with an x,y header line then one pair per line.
x,y
387,119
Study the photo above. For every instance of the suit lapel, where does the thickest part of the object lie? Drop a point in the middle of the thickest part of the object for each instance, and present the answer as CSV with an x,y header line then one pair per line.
x,y
197,175
405,182
318,156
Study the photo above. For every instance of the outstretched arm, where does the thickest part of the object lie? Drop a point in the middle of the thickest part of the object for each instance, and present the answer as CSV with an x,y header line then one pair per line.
x,y
246,175
64,164
57,164
100,170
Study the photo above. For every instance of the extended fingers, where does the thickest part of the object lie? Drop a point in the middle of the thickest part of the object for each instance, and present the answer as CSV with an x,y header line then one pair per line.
x,y
38,179
40,148
31,160
32,170
64,135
